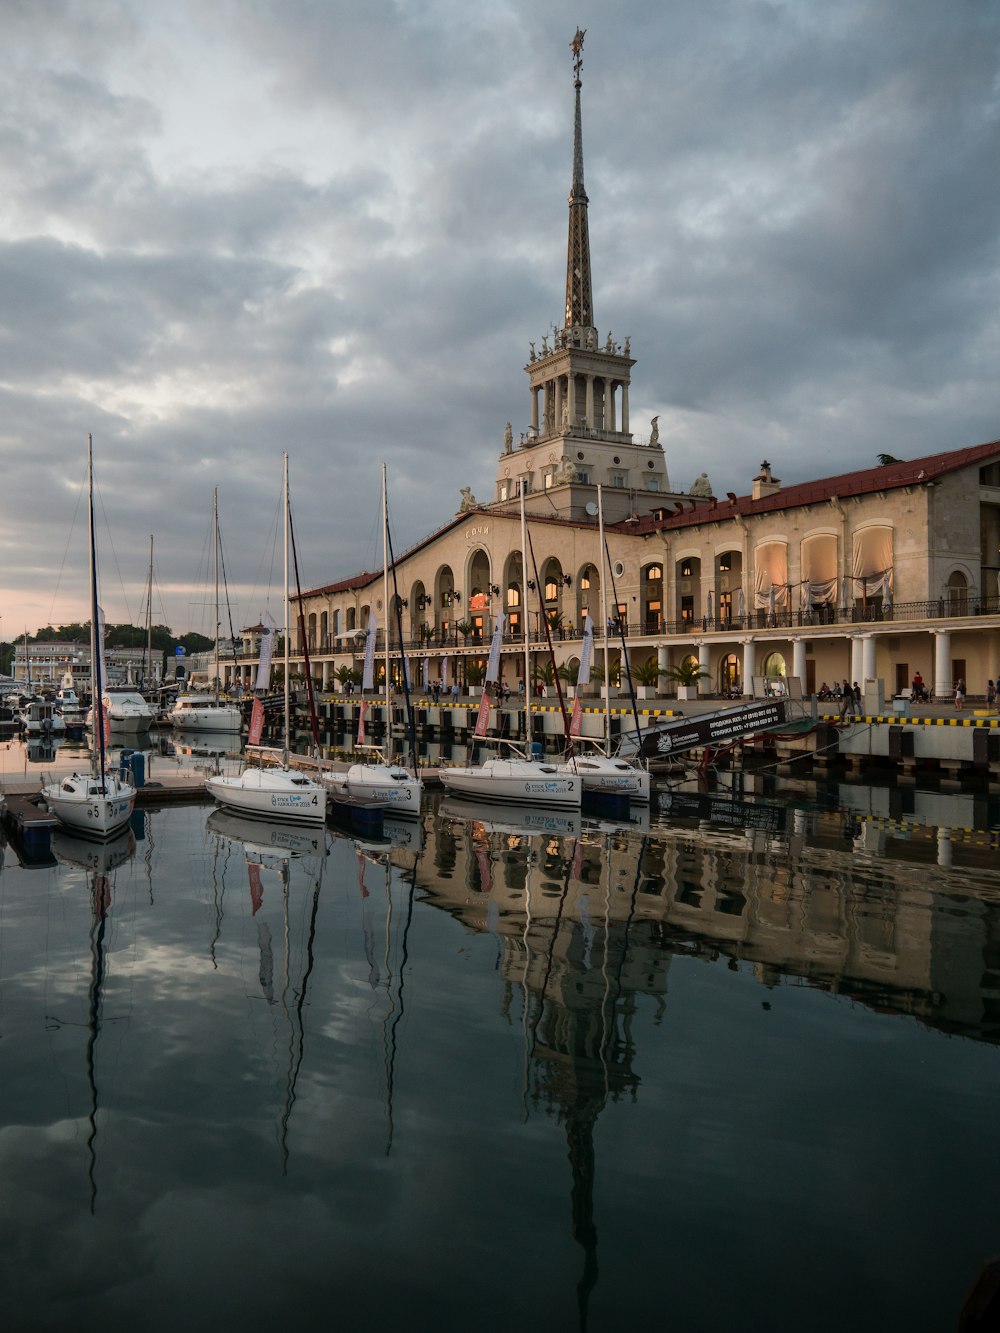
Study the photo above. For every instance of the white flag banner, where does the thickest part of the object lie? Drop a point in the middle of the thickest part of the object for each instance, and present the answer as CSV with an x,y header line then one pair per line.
x,y
586,652
444,673
102,665
368,677
266,650
427,674
493,666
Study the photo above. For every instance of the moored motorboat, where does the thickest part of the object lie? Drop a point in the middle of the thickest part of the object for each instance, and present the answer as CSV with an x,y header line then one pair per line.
x,y
202,712
125,709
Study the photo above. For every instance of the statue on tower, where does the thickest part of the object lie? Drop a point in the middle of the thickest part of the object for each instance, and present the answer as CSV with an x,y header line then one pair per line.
x,y
654,431
508,438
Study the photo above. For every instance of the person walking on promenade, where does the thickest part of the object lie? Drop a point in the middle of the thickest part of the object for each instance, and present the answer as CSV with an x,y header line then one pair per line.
x,y
846,700
960,695
856,696
991,693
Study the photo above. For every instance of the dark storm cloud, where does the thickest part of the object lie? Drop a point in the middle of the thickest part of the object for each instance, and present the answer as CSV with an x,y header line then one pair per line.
x,y
794,214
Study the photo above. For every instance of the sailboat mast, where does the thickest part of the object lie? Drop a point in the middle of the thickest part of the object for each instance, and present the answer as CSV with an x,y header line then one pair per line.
x,y
96,683
149,617
215,547
287,624
385,591
524,611
604,618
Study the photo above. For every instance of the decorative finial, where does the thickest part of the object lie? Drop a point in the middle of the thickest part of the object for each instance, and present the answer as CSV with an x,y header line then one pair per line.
x,y
576,46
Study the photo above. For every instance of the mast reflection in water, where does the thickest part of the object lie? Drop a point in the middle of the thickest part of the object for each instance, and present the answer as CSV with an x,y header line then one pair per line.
x,y
733,1065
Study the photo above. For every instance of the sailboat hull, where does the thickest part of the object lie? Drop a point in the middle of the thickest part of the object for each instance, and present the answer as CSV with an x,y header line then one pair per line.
x,y
604,776
391,787
89,806
272,793
523,782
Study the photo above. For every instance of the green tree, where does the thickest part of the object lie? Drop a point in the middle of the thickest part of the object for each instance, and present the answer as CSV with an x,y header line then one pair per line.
x,y
647,673
688,672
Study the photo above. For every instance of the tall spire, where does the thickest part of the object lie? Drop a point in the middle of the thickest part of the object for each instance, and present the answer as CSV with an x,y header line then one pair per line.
x,y
579,296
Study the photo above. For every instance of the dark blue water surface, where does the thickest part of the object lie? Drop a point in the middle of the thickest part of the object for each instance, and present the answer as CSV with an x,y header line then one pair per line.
x,y
733,1067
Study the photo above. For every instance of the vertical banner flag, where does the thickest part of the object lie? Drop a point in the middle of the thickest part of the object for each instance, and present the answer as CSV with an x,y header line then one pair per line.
x,y
263,680
361,721
427,674
586,652
493,666
256,722
444,674
576,721
368,677
483,720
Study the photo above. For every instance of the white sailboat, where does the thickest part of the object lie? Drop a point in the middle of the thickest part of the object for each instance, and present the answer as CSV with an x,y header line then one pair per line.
x,y
99,803
274,791
602,773
510,776
372,777
199,712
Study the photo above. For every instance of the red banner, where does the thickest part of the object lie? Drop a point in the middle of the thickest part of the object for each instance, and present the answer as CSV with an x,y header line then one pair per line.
x,y
256,722
483,720
361,722
256,888
576,721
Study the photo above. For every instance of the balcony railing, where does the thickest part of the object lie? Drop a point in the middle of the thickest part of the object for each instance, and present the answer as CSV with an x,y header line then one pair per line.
x,y
874,612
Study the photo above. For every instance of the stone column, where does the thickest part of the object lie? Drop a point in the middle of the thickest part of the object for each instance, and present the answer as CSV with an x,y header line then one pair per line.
x,y
942,664
705,684
749,665
663,658
534,408
799,661
589,404
609,405
325,679
624,409
857,669
558,385
867,659
547,405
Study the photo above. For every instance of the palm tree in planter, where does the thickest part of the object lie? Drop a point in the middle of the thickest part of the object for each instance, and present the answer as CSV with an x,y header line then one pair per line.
x,y
686,677
544,673
345,675
475,674
647,677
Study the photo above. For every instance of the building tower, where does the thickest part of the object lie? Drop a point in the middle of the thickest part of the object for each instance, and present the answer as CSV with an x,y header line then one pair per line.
x,y
579,433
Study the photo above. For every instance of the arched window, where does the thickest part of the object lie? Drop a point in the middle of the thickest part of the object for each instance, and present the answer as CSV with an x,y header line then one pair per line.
x,y
958,594
729,674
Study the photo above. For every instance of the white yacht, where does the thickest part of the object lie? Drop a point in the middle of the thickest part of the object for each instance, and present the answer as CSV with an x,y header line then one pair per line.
x,y
391,785
515,778
125,709
203,712
607,775
98,803
271,791
39,717
68,706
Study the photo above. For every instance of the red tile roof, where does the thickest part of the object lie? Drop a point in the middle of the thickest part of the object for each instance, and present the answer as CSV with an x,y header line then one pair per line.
x,y
864,482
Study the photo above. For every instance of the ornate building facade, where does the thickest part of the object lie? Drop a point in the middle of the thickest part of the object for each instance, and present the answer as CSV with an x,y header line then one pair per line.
x,y
872,574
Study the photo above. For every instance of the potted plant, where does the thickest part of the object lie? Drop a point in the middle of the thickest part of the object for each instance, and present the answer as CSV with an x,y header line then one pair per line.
x,y
686,677
545,674
475,674
647,678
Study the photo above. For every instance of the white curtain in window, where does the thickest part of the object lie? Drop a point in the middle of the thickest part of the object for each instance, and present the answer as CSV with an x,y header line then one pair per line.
x,y
771,575
872,561
819,570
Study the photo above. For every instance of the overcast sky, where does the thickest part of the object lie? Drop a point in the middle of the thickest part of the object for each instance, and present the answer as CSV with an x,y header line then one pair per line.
x,y
231,229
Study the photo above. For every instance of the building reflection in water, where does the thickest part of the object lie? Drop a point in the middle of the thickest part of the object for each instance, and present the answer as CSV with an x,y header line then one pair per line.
x,y
588,922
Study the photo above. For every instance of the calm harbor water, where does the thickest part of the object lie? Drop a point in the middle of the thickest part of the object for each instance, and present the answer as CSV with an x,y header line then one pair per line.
x,y
733,1065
